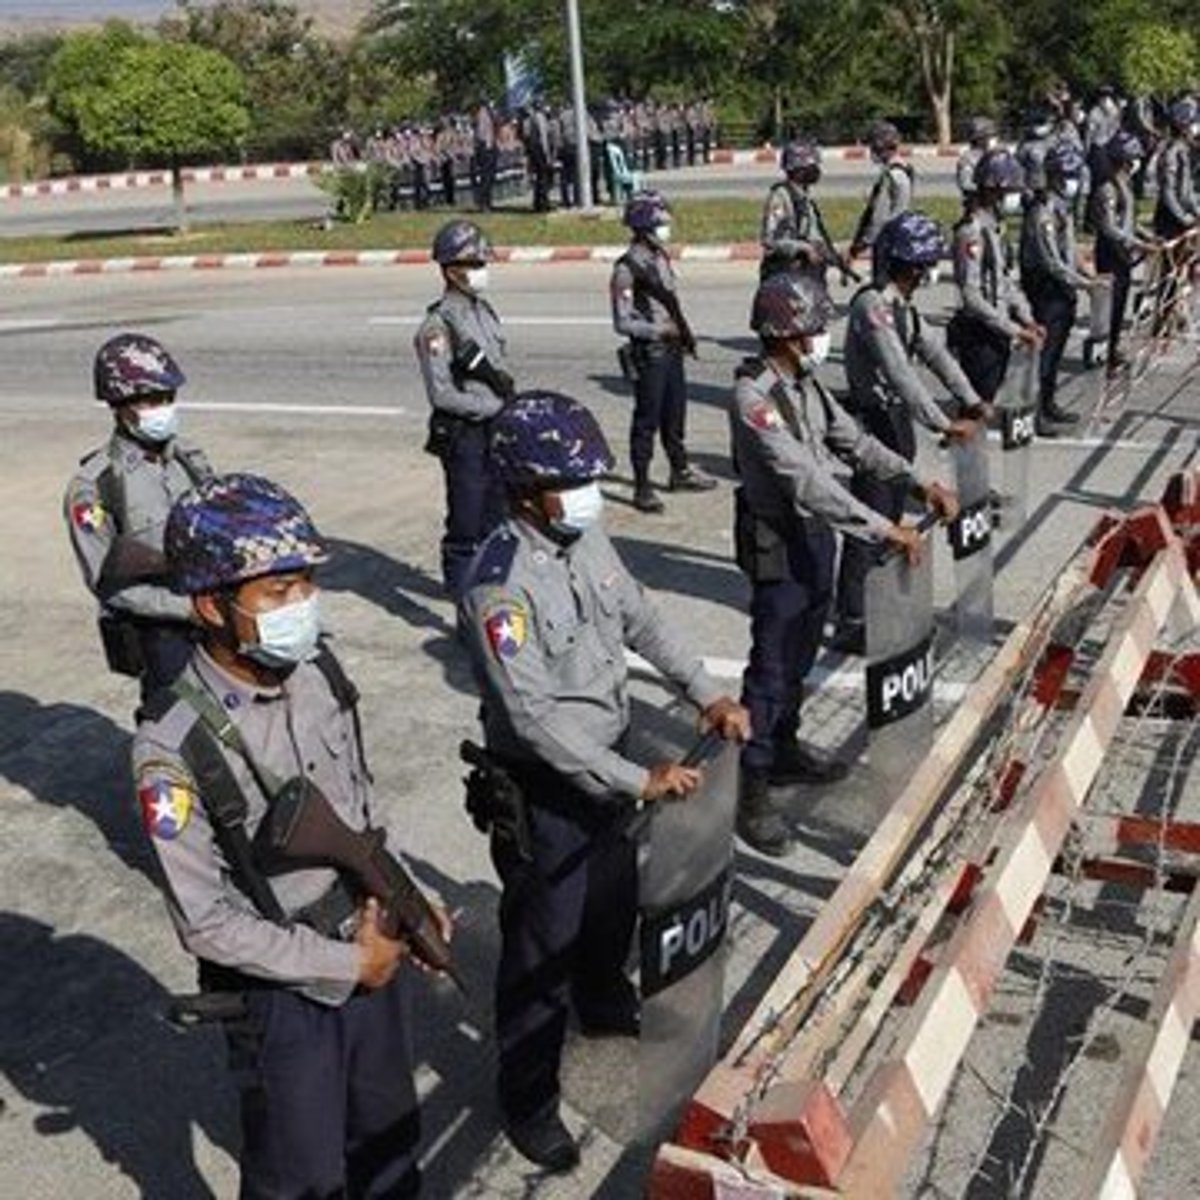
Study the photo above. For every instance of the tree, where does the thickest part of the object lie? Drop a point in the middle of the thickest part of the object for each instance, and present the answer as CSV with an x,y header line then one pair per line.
x,y
167,101
1159,61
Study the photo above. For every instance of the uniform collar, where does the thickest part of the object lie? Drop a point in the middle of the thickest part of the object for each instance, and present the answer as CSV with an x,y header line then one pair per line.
x,y
127,452
233,692
543,548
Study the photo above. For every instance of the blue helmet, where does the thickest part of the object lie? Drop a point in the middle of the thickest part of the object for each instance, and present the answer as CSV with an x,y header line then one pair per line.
x,y
883,136
460,241
790,304
132,366
544,440
980,130
232,528
1183,114
1124,148
645,211
802,155
999,171
1064,160
909,239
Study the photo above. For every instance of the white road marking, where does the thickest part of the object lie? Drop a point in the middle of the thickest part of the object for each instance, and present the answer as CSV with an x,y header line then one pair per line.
x,y
532,321
16,324
315,410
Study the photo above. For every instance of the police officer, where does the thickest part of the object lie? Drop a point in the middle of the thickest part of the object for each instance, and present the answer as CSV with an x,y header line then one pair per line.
x,y
793,233
461,352
484,161
789,434
116,508
1051,273
1037,136
1119,240
1177,209
893,189
993,312
311,992
646,310
549,609
885,337
981,137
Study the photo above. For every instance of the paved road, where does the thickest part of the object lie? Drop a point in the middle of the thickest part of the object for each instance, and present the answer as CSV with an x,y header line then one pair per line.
x,y
308,376
300,199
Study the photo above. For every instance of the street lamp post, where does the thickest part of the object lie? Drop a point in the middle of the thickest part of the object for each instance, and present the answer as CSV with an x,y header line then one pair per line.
x,y
583,170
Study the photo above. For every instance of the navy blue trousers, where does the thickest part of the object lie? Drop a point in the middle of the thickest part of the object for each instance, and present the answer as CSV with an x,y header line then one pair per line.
x,y
328,1103
1054,307
660,409
566,924
474,503
786,619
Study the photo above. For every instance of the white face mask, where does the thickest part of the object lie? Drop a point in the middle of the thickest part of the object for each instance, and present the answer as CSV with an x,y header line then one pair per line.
x,y
286,635
158,424
1070,188
662,233
932,275
819,345
581,509
991,143
1010,204
477,278
1135,167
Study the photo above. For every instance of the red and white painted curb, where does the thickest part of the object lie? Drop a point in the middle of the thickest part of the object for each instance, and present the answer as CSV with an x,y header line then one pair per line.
x,y
728,252
265,172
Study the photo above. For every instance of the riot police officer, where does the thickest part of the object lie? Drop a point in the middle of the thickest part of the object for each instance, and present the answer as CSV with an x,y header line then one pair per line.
x,y
981,137
1051,273
892,191
310,991
1120,242
461,351
549,608
993,313
790,436
116,509
793,233
885,336
1177,209
646,310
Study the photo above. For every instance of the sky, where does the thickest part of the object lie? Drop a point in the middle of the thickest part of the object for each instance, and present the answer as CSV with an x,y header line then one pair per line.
x,y
69,9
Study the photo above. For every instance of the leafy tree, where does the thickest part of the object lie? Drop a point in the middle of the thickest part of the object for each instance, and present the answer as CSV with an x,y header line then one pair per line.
x,y
166,101
1159,61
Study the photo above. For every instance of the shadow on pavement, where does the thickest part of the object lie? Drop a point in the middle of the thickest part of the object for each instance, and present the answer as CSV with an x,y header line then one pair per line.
x,y
685,570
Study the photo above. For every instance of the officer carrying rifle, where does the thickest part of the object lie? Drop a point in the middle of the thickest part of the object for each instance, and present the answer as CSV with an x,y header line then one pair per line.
x,y
255,793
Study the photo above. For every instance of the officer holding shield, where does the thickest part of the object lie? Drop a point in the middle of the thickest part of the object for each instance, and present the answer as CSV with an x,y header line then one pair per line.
x,y
549,609
790,437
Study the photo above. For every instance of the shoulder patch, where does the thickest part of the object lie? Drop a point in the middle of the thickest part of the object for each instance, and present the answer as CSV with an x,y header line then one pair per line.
x,y
434,339
88,516
880,316
506,623
166,800
762,415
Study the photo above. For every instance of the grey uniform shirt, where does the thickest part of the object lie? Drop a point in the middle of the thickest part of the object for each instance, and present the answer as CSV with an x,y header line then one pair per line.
x,y
884,336
450,324
1048,243
636,314
964,171
891,194
1176,190
116,510
987,291
792,227
1116,209
547,627
295,729
789,438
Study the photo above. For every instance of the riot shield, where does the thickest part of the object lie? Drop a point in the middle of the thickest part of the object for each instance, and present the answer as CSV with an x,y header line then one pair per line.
x,y
898,604
1016,406
971,540
685,882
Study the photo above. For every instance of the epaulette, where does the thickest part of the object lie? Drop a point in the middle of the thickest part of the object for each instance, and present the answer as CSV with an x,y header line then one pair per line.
x,y
94,462
750,368
495,560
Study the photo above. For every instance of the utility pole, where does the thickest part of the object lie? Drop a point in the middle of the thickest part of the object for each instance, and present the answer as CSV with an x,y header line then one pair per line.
x,y
583,159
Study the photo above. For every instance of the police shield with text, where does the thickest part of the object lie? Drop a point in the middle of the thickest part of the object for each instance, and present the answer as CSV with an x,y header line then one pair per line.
x,y
116,509
790,439
255,794
461,352
548,611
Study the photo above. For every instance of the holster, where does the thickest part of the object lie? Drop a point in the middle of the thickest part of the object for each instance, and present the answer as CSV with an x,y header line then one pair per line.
x,y
761,550
122,645
495,801
444,431
892,425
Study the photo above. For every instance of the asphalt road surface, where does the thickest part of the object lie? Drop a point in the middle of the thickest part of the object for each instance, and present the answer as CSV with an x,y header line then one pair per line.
x,y
308,376
300,199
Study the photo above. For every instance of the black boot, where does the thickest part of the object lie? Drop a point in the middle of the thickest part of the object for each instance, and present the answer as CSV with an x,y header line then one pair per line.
x,y
544,1140
645,498
1060,416
797,763
850,638
760,824
691,479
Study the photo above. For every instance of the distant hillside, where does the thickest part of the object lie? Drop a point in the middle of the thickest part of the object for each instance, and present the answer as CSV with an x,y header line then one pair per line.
x,y
335,18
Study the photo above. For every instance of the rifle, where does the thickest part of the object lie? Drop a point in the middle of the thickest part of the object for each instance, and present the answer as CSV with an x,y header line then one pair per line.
x,y
301,826
669,300
470,362
129,561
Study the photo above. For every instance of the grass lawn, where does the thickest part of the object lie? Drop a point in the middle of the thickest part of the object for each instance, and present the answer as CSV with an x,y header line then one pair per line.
x,y
695,221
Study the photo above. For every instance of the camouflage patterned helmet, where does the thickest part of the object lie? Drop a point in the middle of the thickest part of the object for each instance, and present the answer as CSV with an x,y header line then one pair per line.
x,y
131,367
232,528
645,211
1123,148
460,241
1064,160
998,171
1183,114
883,136
801,155
910,239
980,130
545,439
789,305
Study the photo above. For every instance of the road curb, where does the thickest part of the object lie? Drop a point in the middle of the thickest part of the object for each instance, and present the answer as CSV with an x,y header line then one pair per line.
x,y
265,172
273,259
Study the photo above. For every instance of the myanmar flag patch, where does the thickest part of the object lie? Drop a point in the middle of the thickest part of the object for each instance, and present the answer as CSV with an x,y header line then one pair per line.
x,y
506,626
166,807
88,515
